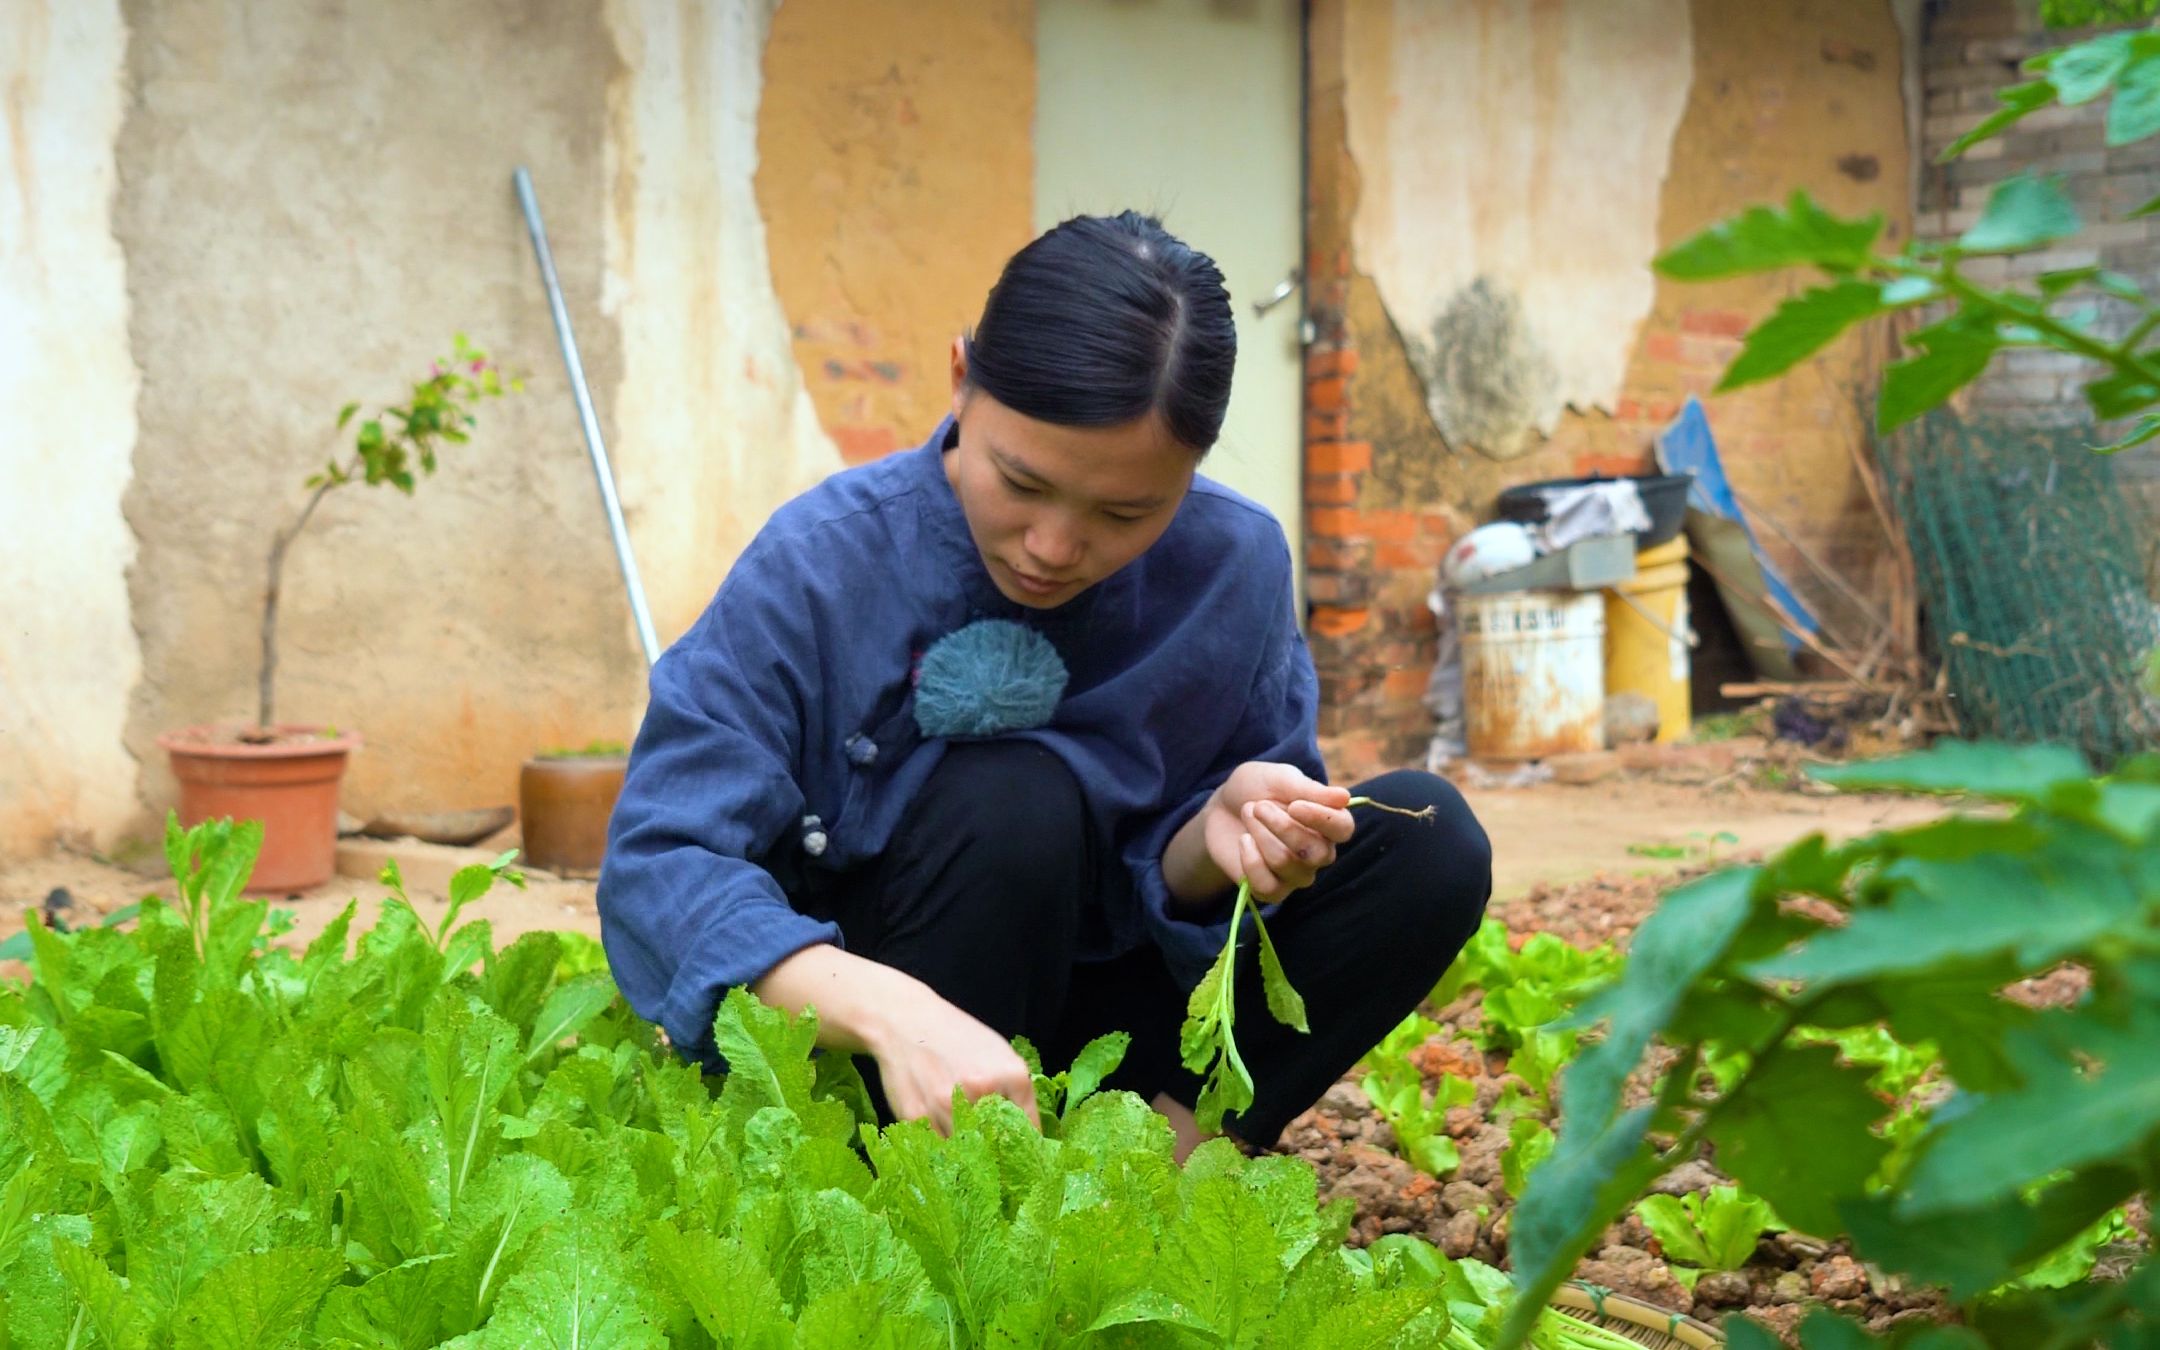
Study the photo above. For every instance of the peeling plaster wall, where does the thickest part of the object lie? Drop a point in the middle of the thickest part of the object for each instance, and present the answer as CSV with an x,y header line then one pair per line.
x,y
716,428
67,654
895,173
1801,94
300,228
313,198
1508,212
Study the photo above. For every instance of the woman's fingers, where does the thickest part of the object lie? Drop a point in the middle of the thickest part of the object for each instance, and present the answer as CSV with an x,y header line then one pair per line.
x,y
1311,848
1331,823
1258,875
1294,861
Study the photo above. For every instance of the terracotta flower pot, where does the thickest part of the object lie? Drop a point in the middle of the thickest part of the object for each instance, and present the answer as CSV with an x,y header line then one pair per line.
x,y
290,784
563,809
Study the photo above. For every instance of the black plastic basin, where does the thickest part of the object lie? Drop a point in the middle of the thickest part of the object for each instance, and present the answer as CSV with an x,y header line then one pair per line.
x,y
1664,496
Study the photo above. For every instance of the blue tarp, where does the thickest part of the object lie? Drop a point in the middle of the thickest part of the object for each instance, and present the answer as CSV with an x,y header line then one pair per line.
x,y
1688,447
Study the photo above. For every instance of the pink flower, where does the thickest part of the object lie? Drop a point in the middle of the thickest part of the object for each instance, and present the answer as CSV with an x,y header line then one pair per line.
x,y
478,366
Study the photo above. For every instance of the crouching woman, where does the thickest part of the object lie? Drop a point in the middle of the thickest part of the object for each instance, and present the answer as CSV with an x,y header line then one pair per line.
x,y
979,739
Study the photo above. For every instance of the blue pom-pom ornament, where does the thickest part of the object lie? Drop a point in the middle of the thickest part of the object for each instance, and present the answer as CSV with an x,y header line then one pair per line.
x,y
990,677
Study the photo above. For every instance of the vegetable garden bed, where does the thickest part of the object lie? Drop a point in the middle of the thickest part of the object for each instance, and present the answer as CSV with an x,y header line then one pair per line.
x,y
406,1137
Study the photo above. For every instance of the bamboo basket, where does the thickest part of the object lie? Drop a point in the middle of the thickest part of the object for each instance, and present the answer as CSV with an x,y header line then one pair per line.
x,y
1638,1321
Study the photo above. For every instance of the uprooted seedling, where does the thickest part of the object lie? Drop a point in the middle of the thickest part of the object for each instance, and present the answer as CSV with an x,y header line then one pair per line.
x,y
1207,1041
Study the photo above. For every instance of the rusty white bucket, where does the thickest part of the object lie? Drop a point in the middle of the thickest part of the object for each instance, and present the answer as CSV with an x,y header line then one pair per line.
x,y
1533,673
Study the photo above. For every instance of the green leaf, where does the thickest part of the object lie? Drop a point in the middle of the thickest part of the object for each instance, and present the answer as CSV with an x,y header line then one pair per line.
x,y
472,1058
2147,428
257,1299
1952,357
1097,1060
2092,1093
345,414
1763,239
1731,1222
517,1196
725,1285
2035,908
467,884
1801,327
1207,1041
2023,212
400,1309
2083,72
1771,1137
1529,1144
1981,768
122,1322
1221,1258
2134,113
2018,102
2120,395
1284,1003
577,1291
1673,1226
575,1002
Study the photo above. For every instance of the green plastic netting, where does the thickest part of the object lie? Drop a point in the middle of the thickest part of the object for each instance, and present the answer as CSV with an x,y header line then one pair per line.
x,y
2032,577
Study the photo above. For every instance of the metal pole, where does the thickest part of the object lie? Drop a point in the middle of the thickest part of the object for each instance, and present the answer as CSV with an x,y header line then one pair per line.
x,y
586,417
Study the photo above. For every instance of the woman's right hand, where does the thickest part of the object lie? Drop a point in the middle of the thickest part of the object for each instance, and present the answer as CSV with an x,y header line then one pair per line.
x,y
924,1046
927,1047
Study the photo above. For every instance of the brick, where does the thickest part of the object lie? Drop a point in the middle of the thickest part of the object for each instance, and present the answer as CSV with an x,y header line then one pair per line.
x,y
1716,322
1329,426
1325,395
1707,353
1441,525
1339,457
1331,489
1335,555
1421,556
861,444
1339,522
1321,363
1611,464
1393,527
1330,621
1662,346
1405,686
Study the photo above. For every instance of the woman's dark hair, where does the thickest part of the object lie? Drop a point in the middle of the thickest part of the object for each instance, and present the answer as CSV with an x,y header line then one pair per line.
x,y
1105,319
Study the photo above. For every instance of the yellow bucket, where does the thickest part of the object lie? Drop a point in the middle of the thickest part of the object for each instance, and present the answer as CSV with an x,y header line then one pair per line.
x,y
1647,636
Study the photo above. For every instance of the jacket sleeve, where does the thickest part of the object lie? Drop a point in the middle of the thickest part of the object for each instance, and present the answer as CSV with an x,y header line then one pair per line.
x,y
1279,725
713,782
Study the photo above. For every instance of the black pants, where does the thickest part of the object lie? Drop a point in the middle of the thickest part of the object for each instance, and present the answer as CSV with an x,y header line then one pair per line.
x,y
980,894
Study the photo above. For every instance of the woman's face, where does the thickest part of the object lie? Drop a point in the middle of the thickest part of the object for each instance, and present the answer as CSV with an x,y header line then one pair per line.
x,y
1055,509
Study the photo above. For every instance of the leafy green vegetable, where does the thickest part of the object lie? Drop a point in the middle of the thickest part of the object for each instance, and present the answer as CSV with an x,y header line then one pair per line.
x,y
1869,1077
1530,1142
1708,1230
1207,1043
206,1140
1396,1088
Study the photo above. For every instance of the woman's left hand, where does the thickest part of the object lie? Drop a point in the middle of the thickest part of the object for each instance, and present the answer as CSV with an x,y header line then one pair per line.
x,y
1273,827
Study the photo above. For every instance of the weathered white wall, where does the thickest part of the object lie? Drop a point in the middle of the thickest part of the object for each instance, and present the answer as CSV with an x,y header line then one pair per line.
x,y
715,426
1511,158
68,656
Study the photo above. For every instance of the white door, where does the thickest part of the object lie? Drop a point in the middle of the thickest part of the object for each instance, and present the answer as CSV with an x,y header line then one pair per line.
x,y
1193,110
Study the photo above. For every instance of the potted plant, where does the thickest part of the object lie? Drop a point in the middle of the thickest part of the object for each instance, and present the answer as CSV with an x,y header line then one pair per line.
x,y
286,774
565,796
